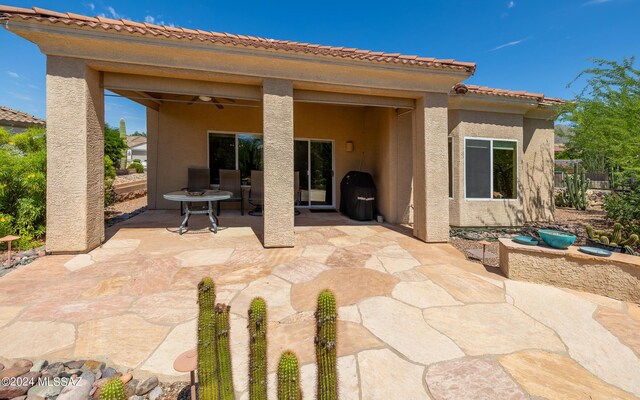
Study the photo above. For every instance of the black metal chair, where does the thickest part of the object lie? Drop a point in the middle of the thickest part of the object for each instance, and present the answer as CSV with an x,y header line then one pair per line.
x,y
256,193
230,181
197,179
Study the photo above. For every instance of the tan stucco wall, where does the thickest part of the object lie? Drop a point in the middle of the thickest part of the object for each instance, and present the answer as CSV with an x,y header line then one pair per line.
x,y
617,276
537,176
75,156
464,123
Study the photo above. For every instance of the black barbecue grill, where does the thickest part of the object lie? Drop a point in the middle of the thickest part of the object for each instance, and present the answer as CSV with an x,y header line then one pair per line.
x,y
358,196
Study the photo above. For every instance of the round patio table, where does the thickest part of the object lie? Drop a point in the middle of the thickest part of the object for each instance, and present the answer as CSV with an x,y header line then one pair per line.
x,y
208,197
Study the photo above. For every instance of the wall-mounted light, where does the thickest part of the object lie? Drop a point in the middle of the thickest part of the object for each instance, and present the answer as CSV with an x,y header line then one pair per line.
x,y
349,146
204,98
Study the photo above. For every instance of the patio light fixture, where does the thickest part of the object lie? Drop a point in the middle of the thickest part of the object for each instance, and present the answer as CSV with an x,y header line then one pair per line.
x,y
349,146
204,98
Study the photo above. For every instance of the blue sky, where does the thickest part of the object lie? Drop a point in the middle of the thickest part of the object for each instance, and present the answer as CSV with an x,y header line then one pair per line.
x,y
534,45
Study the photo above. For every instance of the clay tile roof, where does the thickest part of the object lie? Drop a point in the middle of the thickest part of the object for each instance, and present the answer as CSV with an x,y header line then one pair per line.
x,y
11,117
125,26
461,89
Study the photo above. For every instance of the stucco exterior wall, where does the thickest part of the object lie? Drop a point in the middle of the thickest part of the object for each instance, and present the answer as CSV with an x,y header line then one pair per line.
x,y
473,212
537,176
177,139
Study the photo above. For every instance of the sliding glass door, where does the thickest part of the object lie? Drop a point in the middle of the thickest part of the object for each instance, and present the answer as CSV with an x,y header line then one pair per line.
x,y
313,159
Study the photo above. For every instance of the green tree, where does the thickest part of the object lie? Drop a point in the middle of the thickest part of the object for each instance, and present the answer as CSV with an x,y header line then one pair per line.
x,y
114,145
136,133
605,116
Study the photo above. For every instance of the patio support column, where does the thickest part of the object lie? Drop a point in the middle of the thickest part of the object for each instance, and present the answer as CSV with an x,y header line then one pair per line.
x,y
75,156
430,177
277,103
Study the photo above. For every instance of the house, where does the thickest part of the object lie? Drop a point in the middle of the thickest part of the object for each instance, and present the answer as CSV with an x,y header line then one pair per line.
x,y
441,152
16,121
137,150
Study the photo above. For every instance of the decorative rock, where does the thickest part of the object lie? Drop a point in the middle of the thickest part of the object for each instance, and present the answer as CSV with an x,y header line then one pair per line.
x,y
126,377
89,377
9,392
130,388
79,391
53,370
403,328
471,379
93,366
492,329
109,372
136,398
45,391
386,376
146,386
39,365
553,376
18,368
70,373
155,393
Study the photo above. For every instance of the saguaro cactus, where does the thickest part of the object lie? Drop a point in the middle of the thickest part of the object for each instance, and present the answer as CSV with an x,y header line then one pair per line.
x,y
207,357
258,349
113,390
288,377
325,342
224,352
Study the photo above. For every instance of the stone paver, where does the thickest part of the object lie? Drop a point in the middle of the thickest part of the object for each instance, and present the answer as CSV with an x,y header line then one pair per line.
x,y
410,315
403,328
588,342
554,376
386,376
35,338
471,380
492,329
423,294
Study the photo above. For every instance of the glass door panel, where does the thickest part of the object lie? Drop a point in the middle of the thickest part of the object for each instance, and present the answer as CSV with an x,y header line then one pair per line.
x,y
301,165
321,173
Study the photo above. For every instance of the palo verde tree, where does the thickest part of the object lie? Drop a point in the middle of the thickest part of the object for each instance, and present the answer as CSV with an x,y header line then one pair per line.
x,y
605,115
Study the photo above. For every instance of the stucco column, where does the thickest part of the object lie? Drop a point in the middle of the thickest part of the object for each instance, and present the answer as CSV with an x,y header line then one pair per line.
x,y
430,185
75,156
277,102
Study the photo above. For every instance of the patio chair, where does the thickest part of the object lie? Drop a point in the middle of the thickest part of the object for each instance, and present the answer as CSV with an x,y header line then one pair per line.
x,y
197,179
256,193
230,181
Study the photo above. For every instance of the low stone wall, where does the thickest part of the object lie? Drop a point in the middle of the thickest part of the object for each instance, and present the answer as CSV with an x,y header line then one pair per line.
x,y
617,276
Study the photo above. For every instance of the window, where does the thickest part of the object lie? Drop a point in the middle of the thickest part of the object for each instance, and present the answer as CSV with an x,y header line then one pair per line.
x,y
234,151
450,153
491,169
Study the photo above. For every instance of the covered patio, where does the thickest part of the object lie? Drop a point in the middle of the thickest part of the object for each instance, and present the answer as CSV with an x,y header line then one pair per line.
x,y
416,320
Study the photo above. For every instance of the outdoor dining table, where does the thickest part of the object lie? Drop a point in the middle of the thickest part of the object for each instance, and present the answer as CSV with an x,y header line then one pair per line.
x,y
208,197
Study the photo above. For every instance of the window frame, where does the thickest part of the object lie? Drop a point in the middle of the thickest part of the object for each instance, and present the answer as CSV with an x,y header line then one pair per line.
x,y
235,135
491,140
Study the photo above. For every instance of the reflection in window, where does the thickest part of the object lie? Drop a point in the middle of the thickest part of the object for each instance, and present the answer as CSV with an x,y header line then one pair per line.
x,y
234,151
491,169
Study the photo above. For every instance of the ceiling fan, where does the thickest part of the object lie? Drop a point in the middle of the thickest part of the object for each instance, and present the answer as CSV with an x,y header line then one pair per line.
x,y
214,100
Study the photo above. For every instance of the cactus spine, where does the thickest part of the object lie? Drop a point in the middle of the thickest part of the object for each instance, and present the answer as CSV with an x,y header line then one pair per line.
x,y
325,342
207,360
224,352
258,349
113,390
288,377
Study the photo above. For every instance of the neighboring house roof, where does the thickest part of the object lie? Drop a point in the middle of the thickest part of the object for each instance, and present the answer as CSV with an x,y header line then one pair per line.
x,y
462,88
11,117
167,32
133,141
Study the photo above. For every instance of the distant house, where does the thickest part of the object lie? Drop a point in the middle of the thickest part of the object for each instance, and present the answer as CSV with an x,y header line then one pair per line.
x,y
137,149
17,121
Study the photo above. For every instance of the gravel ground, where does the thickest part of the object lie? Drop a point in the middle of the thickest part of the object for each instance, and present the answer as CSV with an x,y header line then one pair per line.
x,y
119,210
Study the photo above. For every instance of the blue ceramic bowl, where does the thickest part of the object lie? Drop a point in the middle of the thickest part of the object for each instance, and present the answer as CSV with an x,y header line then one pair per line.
x,y
556,239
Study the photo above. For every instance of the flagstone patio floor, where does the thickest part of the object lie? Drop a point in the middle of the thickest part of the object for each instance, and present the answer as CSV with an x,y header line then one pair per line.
x,y
416,320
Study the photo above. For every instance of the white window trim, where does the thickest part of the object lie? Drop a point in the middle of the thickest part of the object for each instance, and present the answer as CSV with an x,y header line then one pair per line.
x,y
491,140
453,167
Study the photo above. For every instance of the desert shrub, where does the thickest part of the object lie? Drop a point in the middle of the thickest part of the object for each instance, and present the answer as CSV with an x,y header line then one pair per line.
x,y
624,207
23,162
109,179
137,166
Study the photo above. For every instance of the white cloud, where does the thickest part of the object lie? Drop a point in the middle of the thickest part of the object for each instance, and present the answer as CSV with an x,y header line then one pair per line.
x,y
113,12
511,4
20,96
91,6
509,44
13,74
149,19
594,2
